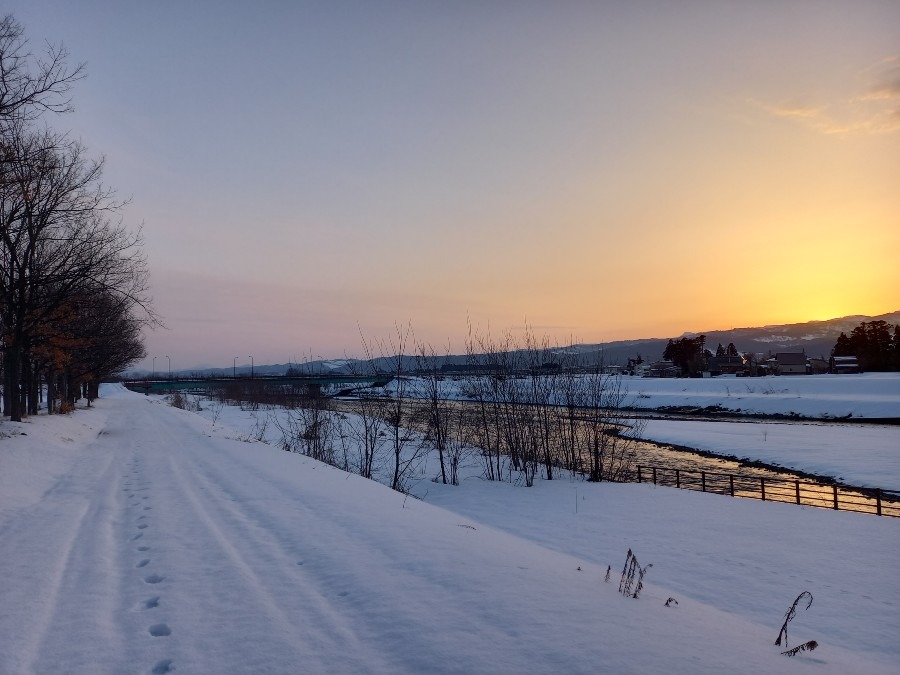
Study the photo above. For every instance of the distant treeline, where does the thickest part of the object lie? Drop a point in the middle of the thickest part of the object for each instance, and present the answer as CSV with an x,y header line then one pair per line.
x,y
876,345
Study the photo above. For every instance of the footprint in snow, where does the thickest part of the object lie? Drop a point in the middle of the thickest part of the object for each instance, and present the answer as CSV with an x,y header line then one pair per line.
x,y
143,548
137,536
143,562
153,579
148,508
160,630
143,526
163,667
152,603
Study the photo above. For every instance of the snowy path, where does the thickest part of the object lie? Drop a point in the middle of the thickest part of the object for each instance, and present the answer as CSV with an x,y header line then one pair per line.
x,y
152,531
160,546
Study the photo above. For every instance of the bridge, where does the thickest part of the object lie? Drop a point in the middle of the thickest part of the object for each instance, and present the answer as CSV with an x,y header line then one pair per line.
x,y
292,382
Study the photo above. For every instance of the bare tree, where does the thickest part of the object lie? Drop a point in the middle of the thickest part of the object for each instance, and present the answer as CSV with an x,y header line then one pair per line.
x,y
367,428
57,243
438,409
398,411
32,84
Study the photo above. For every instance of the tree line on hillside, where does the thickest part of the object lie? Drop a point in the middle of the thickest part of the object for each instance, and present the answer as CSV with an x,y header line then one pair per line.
x,y
73,279
876,345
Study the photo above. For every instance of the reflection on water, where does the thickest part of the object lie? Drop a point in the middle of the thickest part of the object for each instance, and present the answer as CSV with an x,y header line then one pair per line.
x,y
669,465
666,465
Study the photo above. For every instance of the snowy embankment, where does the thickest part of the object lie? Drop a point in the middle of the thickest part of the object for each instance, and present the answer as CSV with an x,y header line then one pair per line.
x,y
867,396
864,455
854,454
140,538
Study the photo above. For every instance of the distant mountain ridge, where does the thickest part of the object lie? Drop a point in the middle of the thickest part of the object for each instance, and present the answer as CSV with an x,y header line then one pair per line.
x,y
815,338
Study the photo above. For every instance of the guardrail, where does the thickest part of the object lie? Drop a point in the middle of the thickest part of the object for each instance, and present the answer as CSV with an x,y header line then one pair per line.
x,y
836,496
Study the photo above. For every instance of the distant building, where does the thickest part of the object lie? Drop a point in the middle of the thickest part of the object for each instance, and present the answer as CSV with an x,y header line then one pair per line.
x,y
844,364
791,363
642,370
663,369
818,366
725,365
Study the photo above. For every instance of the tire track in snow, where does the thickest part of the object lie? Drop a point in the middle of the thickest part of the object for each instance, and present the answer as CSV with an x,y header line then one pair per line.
x,y
75,570
291,607
355,598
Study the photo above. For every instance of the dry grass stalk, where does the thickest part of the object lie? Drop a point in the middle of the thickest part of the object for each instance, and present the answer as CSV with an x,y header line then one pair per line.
x,y
632,568
805,647
792,610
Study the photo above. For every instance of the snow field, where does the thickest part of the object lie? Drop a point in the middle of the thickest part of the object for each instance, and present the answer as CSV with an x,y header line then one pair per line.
x,y
867,396
162,545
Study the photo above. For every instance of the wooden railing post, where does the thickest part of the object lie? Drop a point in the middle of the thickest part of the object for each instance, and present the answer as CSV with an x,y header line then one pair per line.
x,y
874,494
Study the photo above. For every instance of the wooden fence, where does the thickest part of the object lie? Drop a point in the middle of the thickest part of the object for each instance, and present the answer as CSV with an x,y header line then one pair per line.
x,y
792,491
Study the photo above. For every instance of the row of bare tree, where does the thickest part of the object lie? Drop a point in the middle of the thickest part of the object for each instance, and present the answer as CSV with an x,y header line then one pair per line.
x,y
530,408
73,280
521,410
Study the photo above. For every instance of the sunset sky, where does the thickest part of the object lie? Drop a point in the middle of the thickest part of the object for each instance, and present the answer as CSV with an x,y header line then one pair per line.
x,y
601,170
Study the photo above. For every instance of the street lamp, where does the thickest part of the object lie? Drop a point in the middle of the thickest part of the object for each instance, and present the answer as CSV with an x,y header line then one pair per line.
x,y
154,368
234,369
251,367
170,366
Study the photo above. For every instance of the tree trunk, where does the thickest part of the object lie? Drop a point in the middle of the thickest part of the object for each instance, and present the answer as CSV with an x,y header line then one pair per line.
x,y
51,392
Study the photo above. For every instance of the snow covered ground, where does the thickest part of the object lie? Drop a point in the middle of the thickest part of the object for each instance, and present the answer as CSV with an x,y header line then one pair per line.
x,y
138,538
863,455
869,395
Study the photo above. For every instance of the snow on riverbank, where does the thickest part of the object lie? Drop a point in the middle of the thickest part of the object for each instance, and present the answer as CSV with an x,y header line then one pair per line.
x,y
870,395
153,542
864,455
866,396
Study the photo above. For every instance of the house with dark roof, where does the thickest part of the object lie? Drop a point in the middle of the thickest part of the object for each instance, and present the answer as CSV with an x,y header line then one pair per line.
x,y
790,363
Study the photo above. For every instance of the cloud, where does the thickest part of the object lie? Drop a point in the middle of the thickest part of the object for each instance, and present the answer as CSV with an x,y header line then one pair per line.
x,y
787,110
884,81
872,107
